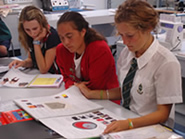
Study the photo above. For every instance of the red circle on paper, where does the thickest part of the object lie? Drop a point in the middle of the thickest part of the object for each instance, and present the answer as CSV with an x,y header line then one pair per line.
x,y
85,125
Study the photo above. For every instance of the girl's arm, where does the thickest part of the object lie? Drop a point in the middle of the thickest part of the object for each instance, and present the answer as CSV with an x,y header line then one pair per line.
x,y
44,62
159,116
112,94
25,63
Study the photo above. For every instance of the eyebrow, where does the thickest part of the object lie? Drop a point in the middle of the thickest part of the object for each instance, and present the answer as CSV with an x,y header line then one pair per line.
x,y
31,28
68,34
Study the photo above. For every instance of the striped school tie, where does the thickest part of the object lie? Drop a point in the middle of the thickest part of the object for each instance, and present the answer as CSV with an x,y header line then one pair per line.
x,y
127,83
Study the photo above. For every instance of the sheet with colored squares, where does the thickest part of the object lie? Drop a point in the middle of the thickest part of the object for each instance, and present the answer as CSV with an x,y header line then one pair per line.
x,y
86,125
67,102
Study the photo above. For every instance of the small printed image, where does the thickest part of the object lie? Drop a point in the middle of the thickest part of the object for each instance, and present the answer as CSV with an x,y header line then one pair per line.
x,y
96,117
5,80
100,119
108,118
55,105
100,114
23,84
57,97
82,117
95,112
32,106
40,106
90,115
13,80
64,95
24,100
75,118
105,122
28,103
103,116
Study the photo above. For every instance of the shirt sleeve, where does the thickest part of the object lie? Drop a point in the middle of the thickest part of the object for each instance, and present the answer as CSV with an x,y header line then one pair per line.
x,y
168,83
101,67
53,39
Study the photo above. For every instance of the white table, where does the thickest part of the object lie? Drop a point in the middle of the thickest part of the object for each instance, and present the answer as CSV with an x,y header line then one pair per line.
x,y
8,94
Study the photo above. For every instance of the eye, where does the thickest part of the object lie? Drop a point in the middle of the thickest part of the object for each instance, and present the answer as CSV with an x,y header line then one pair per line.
x,y
35,28
27,30
130,36
69,36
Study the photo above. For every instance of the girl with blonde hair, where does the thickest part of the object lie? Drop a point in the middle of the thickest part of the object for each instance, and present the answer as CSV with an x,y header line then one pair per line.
x,y
39,40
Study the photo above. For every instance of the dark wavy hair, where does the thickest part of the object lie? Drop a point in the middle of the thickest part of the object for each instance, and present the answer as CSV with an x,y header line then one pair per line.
x,y
80,23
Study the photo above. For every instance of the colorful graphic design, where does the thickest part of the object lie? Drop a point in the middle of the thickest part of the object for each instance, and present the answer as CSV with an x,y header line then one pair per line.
x,y
16,116
64,95
85,125
96,116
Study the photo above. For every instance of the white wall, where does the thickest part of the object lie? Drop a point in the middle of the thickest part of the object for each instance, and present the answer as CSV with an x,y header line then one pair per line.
x,y
99,4
13,18
116,3
37,3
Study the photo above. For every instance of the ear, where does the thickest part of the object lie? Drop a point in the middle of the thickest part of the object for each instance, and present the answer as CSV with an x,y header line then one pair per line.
x,y
83,32
150,30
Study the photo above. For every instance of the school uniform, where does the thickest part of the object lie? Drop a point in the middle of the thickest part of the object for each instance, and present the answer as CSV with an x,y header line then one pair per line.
x,y
97,66
51,41
157,80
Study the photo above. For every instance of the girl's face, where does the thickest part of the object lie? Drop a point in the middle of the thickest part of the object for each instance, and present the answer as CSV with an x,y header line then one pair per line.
x,y
136,40
32,28
71,38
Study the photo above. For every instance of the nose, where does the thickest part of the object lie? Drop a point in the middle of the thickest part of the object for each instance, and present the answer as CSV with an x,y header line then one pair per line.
x,y
65,42
33,33
125,40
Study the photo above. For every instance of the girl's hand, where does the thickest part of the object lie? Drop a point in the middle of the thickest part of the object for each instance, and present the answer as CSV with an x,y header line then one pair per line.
x,y
116,126
41,35
84,89
16,64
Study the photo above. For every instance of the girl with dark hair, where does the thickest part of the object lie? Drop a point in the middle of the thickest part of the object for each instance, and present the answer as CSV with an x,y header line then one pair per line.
x,y
84,58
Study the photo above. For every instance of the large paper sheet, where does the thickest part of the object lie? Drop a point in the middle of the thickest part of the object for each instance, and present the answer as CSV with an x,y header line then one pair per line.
x,y
68,102
148,132
16,78
85,125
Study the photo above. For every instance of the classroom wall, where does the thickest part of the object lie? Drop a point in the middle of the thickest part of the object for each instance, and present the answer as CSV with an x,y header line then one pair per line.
x,y
116,3
37,2
13,18
98,4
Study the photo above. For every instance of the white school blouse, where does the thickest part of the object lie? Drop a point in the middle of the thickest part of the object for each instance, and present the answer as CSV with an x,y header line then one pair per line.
x,y
157,80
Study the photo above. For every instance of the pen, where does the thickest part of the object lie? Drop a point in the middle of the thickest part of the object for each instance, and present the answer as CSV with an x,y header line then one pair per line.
x,y
168,128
